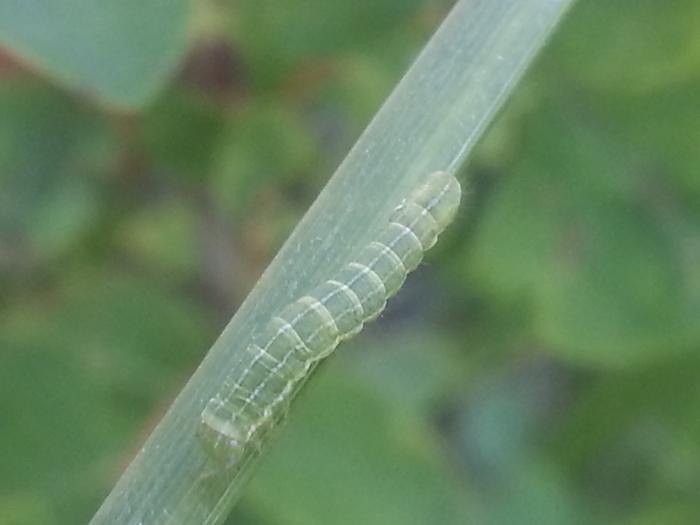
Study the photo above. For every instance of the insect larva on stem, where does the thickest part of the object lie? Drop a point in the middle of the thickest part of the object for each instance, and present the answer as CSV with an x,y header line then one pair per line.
x,y
310,328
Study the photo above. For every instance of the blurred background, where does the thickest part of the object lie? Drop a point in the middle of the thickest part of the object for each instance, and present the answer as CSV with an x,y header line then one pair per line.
x,y
541,367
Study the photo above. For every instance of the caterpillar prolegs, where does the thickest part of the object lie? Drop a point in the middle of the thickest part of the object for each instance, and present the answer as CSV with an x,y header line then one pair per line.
x,y
310,328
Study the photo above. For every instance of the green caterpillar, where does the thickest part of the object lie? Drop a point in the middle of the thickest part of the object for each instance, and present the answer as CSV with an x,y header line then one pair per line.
x,y
310,328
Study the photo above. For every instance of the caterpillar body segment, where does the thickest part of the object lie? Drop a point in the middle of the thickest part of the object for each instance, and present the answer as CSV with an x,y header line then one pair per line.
x,y
405,244
386,264
366,283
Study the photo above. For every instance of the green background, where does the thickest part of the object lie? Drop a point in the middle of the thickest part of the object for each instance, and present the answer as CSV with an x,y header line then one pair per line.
x,y
541,367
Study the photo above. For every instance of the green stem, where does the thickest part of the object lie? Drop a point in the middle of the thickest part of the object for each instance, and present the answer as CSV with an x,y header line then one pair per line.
x,y
430,122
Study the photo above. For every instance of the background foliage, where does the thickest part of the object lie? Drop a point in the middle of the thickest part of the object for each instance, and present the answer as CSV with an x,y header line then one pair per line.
x,y
541,367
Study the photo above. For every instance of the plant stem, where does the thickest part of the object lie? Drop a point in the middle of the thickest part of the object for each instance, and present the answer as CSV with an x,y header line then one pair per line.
x,y
430,122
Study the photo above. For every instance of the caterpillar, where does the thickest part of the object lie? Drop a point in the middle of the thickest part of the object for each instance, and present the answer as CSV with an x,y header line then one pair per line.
x,y
309,329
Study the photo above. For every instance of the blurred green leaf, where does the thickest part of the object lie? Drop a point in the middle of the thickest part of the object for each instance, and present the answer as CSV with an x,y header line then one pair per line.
x,y
50,151
265,147
661,131
60,424
24,509
370,467
132,325
412,374
118,51
64,218
574,230
648,449
537,494
664,513
279,37
344,100
668,395
163,238
78,379
181,131
630,47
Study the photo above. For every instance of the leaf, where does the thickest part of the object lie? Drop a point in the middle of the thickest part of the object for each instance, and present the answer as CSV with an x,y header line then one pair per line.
x,y
666,511
265,143
44,394
347,458
25,509
280,37
666,396
662,132
181,131
163,237
647,448
575,230
85,368
536,494
50,152
412,373
630,48
120,52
